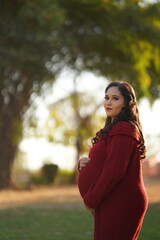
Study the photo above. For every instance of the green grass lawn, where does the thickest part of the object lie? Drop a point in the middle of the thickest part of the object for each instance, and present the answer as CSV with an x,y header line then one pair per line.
x,y
151,225
46,223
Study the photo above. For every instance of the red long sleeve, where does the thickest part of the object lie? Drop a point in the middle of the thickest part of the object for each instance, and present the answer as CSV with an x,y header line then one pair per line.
x,y
118,154
112,184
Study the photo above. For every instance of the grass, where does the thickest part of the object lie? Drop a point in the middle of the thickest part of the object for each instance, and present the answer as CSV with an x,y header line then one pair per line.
x,y
58,214
151,225
46,223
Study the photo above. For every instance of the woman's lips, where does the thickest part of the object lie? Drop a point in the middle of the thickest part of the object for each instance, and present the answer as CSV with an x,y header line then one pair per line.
x,y
108,109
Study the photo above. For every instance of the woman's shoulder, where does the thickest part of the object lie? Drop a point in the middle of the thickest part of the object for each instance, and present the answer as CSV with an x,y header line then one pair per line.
x,y
123,128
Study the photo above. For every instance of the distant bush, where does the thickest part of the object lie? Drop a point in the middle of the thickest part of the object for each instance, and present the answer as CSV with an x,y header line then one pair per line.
x,y
38,180
46,175
49,172
64,177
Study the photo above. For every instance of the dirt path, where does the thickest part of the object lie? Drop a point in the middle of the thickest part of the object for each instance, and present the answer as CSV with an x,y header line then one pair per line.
x,y
49,196
67,197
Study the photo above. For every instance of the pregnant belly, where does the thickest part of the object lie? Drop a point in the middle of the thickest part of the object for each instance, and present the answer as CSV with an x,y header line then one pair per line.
x,y
88,177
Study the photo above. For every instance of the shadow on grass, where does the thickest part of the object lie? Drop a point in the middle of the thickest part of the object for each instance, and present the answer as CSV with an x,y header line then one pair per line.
x,y
50,223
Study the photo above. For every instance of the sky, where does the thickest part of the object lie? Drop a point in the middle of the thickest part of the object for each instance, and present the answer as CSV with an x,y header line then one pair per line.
x,y
39,150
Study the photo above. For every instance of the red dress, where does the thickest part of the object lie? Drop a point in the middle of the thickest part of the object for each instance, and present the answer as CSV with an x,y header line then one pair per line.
x,y
112,184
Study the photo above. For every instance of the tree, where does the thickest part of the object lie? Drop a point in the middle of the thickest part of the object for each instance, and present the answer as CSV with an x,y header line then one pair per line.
x,y
73,120
26,46
118,39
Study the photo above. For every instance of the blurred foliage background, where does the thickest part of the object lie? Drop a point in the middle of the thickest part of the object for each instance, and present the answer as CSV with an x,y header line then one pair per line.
x,y
117,39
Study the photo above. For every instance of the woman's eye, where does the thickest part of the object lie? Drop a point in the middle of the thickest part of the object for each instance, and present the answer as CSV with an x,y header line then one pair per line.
x,y
115,98
106,98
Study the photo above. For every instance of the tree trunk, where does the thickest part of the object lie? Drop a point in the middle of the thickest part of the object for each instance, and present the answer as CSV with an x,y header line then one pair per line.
x,y
78,152
8,149
11,114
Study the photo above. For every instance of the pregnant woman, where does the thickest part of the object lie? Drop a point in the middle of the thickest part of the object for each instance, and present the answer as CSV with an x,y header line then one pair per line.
x,y
110,180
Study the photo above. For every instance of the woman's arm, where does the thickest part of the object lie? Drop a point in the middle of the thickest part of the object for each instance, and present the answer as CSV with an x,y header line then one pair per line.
x,y
118,154
81,164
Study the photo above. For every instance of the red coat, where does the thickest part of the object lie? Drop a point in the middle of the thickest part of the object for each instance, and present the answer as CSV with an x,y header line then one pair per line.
x,y
112,184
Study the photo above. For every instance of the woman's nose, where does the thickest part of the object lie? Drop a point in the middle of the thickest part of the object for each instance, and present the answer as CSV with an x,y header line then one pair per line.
x,y
109,102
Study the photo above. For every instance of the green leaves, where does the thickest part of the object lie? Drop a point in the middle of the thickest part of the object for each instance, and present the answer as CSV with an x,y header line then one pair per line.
x,y
119,39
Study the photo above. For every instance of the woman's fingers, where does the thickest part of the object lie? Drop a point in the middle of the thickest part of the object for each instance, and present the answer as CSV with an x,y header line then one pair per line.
x,y
83,162
85,159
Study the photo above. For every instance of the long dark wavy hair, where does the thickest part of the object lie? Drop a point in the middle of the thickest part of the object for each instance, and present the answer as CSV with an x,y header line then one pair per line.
x,y
129,113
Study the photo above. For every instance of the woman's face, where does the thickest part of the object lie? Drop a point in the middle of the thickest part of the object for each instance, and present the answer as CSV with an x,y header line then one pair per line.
x,y
114,102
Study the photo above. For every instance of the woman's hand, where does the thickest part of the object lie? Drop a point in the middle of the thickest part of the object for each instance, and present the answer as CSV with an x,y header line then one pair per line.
x,y
83,162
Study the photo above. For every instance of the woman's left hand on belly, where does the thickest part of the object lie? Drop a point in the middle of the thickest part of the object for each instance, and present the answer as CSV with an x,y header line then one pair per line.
x,y
83,162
